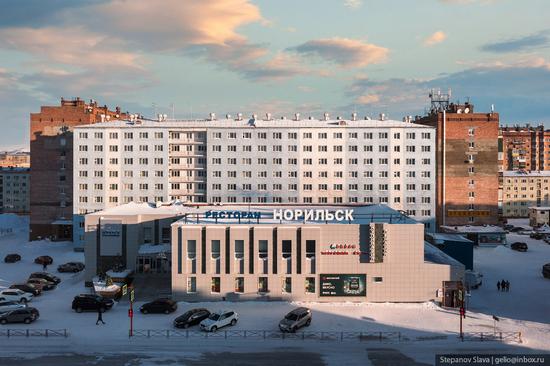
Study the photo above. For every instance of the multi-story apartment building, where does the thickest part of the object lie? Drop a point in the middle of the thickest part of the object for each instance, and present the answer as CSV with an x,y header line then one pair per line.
x,y
525,148
256,161
14,190
467,163
16,158
522,190
51,135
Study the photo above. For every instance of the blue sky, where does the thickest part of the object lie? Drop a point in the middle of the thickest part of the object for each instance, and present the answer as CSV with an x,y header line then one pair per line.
x,y
258,56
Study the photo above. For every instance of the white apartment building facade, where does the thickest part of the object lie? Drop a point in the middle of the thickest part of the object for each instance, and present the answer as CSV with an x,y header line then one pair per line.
x,y
255,161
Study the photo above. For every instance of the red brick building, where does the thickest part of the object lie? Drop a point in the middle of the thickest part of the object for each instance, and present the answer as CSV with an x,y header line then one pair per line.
x,y
51,180
525,148
467,168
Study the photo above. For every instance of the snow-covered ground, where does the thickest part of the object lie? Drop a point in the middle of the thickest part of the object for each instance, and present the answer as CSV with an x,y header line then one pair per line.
x,y
526,308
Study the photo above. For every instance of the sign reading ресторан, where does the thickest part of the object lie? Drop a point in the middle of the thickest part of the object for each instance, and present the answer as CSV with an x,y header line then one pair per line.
x,y
232,215
313,215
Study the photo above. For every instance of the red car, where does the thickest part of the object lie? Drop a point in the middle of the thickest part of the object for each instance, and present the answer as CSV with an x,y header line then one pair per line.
x,y
43,259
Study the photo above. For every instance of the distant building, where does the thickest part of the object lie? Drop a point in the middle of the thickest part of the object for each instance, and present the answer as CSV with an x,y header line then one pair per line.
x,y
256,161
51,194
16,158
14,190
525,148
522,190
482,235
467,178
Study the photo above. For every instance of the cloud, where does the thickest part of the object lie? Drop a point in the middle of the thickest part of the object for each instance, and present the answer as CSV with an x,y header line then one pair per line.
x,y
354,4
367,99
518,89
344,51
532,41
435,38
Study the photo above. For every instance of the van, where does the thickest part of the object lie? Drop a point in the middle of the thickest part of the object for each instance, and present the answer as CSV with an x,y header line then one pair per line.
x,y
472,279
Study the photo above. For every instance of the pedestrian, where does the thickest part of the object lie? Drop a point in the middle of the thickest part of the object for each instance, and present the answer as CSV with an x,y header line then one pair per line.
x,y
507,285
498,286
44,266
99,317
503,285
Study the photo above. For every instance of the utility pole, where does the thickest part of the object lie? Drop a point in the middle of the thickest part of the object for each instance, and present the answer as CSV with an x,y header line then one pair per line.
x,y
131,311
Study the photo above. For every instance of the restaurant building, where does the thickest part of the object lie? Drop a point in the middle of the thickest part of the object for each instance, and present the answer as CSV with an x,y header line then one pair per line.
x,y
276,252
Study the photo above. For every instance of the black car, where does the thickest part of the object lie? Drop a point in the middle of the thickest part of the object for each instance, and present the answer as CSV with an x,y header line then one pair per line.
x,y
46,276
89,302
191,317
26,315
537,236
27,287
12,258
508,227
516,229
519,246
546,270
165,306
71,267
43,259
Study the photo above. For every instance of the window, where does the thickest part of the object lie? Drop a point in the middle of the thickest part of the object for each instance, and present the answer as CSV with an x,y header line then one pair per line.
x,y
239,285
377,279
287,285
310,285
262,285
191,284
215,285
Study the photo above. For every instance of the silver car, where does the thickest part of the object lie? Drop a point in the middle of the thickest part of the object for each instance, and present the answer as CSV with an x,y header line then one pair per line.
x,y
10,305
297,318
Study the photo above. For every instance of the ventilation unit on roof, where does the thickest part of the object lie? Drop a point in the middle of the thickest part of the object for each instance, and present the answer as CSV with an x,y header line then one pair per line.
x,y
228,116
326,116
212,116
296,116
268,116
254,116
239,116
354,116
382,116
310,118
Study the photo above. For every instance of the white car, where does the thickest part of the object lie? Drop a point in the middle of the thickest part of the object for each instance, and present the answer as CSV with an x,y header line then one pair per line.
x,y
10,305
16,295
218,320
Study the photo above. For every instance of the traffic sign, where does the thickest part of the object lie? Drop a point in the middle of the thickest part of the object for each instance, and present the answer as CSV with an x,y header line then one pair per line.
x,y
132,296
124,289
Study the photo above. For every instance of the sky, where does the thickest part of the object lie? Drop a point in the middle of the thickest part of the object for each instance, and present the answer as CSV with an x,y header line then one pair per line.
x,y
193,57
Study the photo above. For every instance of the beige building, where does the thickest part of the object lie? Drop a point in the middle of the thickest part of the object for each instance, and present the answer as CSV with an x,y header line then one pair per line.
x,y
273,252
522,190
16,158
539,216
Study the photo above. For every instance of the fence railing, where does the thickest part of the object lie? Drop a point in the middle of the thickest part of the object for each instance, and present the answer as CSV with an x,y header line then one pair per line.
x,y
269,334
34,333
513,337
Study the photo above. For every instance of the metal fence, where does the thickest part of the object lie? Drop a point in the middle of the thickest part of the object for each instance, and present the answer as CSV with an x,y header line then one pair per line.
x,y
512,337
34,333
268,334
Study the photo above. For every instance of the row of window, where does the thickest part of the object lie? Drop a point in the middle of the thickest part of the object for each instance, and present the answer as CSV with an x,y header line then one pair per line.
x,y
322,135
126,173
115,199
320,187
320,161
262,285
126,135
321,148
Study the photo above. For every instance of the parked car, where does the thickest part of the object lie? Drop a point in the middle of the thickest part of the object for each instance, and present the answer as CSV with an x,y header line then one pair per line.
x,y
90,302
519,246
546,270
191,317
16,295
46,276
537,236
42,284
71,267
218,320
10,305
165,306
472,279
43,259
27,287
516,229
508,227
297,318
12,258
26,315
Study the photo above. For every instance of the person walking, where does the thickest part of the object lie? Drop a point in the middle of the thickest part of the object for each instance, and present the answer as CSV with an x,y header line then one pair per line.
x,y
507,285
503,285
44,266
99,317
498,286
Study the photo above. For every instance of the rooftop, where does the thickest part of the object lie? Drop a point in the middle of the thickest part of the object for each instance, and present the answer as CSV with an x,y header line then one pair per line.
x,y
254,123
526,174
244,213
473,229
442,237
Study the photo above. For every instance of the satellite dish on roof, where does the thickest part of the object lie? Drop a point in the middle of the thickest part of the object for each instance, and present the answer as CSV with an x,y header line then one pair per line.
x,y
466,110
